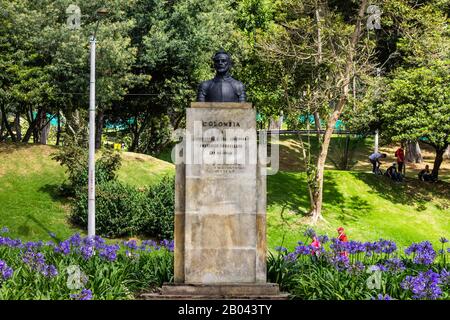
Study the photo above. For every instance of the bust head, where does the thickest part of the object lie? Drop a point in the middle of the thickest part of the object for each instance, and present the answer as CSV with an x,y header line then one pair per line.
x,y
222,62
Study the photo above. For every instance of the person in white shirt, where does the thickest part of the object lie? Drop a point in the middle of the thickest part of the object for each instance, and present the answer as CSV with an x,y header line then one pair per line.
x,y
375,160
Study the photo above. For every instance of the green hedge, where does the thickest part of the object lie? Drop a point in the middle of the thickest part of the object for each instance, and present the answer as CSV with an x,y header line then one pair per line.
x,y
123,210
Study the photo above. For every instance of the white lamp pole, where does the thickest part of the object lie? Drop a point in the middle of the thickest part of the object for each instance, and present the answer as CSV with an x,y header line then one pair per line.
x,y
91,179
91,170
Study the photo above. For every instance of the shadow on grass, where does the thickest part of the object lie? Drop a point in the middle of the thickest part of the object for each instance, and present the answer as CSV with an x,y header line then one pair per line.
x,y
10,147
412,192
290,191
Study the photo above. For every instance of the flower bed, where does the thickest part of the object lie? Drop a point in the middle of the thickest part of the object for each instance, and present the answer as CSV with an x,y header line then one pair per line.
x,y
362,270
82,268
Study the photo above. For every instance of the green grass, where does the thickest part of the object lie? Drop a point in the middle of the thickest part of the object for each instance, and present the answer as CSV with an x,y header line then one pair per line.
x,y
30,205
369,207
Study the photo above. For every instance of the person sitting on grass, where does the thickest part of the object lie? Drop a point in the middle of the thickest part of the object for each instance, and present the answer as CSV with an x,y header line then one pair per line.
x,y
375,160
426,175
392,173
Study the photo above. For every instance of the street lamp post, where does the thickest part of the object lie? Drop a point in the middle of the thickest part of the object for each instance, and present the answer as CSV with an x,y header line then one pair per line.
x,y
91,162
393,54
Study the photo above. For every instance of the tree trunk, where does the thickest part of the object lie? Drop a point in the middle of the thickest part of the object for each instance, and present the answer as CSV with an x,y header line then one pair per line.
x,y
31,125
58,132
99,129
447,153
437,162
318,61
413,153
317,125
17,126
316,203
7,125
45,128
2,127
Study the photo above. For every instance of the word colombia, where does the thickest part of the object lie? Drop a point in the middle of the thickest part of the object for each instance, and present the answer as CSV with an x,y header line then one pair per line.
x,y
230,124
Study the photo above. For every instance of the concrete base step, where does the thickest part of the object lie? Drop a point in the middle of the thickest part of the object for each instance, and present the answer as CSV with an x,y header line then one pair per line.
x,y
256,291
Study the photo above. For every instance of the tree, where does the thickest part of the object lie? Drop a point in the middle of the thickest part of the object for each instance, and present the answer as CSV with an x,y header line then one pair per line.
x,y
319,44
417,107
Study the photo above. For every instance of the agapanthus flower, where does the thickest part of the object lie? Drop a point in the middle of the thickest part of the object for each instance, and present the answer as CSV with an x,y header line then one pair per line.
x,y
85,294
109,252
355,268
303,250
4,230
423,286
323,239
75,240
393,265
292,257
382,297
445,277
6,272
443,240
63,247
131,244
309,232
49,271
168,244
87,251
281,249
423,252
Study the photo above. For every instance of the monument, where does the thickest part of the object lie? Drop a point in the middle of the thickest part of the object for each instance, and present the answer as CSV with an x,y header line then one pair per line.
x,y
220,197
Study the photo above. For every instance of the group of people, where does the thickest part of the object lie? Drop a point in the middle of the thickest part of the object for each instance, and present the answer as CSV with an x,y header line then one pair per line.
x,y
396,170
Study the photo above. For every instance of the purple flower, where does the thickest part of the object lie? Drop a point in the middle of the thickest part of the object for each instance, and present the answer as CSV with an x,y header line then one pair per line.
x,y
49,271
87,251
303,250
168,244
85,294
443,240
393,265
309,232
340,262
290,257
423,252
4,230
131,244
323,239
109,252
382,297
75,240
63,247
281,249
445,277
423,286
5,271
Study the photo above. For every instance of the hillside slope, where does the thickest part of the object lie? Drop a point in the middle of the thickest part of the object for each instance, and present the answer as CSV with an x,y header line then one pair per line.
x,y
29,180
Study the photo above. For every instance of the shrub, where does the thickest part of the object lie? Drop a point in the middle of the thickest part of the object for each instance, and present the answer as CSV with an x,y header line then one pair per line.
x,y
123,210
75,158
159,219
118,209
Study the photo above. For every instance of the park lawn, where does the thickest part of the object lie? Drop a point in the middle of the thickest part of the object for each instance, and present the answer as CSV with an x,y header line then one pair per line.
x,y
30,205
369,207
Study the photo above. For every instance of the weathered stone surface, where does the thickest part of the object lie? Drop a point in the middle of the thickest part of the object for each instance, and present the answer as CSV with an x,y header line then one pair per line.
x,y
221,222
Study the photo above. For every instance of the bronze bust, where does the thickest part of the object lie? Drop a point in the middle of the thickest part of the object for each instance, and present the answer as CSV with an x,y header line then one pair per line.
x,y
223,88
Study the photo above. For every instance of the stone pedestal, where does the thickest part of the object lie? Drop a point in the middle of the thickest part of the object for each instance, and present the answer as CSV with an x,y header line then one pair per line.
x,y
220,210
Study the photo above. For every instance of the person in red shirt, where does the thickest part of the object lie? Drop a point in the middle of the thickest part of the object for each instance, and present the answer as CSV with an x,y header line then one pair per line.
x,y
342,238
400,155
